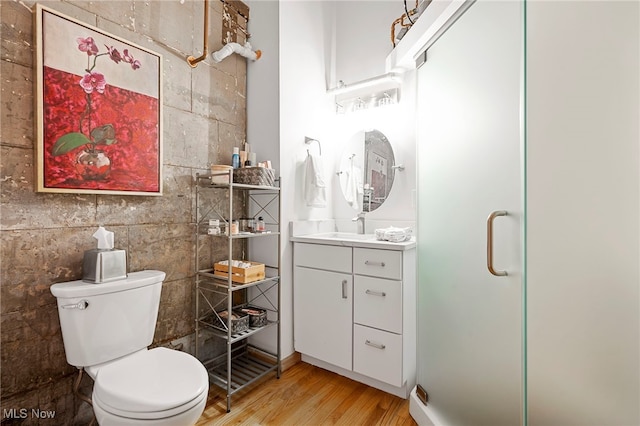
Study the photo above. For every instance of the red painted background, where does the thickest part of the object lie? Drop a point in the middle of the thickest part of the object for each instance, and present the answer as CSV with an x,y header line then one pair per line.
x,y
135,158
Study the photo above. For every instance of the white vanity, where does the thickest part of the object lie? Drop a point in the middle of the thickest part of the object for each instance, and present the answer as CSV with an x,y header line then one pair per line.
x,y
355,308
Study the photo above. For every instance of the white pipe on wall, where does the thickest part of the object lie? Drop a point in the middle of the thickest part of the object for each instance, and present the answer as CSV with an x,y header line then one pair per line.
x,y
233,47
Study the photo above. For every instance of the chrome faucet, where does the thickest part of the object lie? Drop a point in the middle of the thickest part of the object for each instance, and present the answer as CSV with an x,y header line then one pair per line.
x,y
360,220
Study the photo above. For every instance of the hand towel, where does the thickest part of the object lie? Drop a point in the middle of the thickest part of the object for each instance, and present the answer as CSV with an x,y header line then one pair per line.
x,y
353,188
314,183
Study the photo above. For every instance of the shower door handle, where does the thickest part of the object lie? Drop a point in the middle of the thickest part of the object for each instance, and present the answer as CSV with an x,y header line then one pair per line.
x,y
490,219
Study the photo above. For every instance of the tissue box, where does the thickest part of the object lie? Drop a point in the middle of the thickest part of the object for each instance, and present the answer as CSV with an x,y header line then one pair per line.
x,y
101,266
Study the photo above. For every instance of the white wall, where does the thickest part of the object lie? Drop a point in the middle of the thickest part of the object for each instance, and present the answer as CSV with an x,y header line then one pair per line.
x,y
287,100
363,38
263,129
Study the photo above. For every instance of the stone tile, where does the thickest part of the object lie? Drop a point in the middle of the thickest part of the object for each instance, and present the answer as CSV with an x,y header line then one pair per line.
x,y
165,247
151,21
16,34
56,397
27,358
230,136
66,246
189,140
176,81
72,10
174,206
22,268
120,12
23,208
176,314
16,94
216,95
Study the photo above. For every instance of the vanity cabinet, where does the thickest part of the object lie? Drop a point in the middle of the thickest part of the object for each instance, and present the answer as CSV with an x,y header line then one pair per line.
x,y
354,312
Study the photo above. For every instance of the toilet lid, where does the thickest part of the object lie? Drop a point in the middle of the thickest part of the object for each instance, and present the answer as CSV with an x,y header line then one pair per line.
x,y
149,381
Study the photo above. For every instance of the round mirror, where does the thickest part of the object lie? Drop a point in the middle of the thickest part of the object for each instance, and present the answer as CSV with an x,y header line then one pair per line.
x,y
366,170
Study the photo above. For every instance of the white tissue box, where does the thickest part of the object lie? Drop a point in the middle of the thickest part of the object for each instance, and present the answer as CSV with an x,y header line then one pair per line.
x,y
104,265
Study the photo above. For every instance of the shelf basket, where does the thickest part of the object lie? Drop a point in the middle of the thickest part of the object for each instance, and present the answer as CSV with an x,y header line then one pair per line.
x,y
238,324
241,275
257,315
254,176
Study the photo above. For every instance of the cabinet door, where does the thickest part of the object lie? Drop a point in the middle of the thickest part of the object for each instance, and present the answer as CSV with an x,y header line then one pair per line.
x,y
322,312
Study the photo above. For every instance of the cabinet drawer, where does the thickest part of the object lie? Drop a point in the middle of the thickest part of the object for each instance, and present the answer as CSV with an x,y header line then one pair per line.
x,y
377,354
330,258
378,303
378,263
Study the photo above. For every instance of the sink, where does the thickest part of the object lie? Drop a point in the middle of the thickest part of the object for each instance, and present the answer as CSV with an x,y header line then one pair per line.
x,y
345,236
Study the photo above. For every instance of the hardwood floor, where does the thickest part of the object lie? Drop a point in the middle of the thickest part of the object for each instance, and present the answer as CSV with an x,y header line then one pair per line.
x,y
307,395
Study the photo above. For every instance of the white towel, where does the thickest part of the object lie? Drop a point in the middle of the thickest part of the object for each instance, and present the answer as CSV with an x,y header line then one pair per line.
x,y
314,184
353,188
393,234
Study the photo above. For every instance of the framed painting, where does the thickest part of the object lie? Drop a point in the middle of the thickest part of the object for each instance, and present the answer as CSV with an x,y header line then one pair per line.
x,y
98,108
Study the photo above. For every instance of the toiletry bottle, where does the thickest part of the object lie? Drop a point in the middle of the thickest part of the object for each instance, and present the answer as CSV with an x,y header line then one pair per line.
x,y
260,225
235,158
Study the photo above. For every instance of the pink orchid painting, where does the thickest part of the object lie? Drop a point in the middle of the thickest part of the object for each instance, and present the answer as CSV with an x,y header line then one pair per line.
x,y
100,114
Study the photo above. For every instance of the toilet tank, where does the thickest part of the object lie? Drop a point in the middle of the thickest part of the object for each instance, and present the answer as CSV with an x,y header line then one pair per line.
x,y
102,322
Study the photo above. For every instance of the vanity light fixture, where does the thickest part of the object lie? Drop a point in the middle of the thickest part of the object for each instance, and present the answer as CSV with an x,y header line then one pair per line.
x,y
371,93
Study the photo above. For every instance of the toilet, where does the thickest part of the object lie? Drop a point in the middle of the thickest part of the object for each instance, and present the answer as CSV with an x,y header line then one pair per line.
x,y
106,330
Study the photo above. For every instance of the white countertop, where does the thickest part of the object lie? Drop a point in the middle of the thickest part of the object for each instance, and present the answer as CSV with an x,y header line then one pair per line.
x,y
346,239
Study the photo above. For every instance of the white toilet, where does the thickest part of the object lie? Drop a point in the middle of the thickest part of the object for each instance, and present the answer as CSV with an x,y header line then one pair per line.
x,y
106,329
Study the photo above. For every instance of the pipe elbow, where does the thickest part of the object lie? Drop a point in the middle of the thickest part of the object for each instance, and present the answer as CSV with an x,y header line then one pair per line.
x,y
233,47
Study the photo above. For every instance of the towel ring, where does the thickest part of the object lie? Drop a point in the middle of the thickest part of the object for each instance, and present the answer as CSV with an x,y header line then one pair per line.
x,y
309,140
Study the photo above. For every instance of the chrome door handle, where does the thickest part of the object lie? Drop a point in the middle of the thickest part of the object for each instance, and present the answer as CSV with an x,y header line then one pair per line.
x,y
490,219
82,305
375,345
376,293
344,289
371,262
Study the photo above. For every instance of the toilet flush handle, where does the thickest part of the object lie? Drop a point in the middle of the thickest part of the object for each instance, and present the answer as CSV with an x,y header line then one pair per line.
x,y
83,304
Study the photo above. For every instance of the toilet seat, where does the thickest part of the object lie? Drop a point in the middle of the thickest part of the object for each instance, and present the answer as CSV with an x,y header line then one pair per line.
x,y
151,384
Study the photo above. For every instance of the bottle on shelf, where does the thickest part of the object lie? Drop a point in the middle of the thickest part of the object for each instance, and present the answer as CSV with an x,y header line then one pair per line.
x,y
235,158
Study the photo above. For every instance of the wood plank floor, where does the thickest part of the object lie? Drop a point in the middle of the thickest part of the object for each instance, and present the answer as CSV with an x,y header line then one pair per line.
x,y
306,395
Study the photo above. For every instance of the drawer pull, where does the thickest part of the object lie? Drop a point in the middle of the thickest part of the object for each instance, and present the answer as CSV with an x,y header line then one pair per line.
x,y
376,293
375,345
373,263
344,289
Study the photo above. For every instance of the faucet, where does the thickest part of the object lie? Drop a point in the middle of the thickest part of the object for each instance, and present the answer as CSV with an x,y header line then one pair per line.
x,y
360,220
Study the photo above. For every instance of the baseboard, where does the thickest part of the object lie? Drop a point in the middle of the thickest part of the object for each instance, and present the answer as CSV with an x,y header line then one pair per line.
x,y
421,413
290,361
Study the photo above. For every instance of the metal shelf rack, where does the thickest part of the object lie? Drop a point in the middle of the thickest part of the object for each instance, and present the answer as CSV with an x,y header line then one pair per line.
x,y
242,364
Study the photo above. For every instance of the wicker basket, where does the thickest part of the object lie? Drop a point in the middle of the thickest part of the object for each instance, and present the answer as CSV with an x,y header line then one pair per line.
x,y
254,176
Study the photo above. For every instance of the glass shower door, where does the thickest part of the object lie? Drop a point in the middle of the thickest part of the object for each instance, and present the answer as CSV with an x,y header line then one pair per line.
x,y
470,322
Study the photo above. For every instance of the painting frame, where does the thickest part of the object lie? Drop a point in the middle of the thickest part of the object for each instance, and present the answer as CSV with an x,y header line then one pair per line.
x,y
98,107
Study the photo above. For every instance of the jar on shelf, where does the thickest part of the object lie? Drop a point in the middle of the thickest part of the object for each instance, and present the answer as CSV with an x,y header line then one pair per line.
x,y
214,227
235,227
260,225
